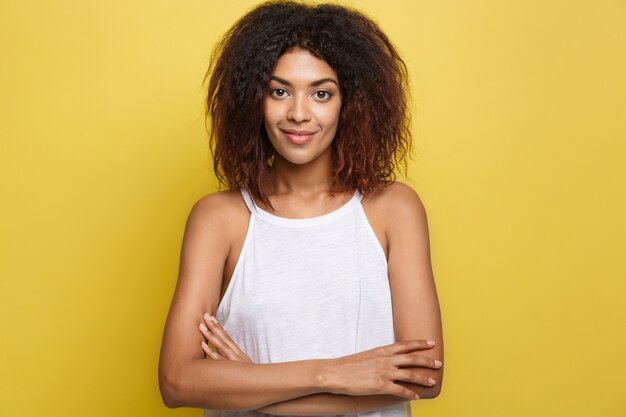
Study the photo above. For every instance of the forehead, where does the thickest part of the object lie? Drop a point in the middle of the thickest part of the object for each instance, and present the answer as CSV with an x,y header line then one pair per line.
x,y
301,65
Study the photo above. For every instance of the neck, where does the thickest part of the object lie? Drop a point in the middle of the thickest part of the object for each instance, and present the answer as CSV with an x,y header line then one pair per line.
x,y
305,180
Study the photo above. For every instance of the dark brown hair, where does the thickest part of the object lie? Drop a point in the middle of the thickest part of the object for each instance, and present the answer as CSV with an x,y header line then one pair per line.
x,y
373,134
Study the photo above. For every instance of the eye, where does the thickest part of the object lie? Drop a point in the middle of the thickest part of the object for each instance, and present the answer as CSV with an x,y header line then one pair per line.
x,y
278,92
322,95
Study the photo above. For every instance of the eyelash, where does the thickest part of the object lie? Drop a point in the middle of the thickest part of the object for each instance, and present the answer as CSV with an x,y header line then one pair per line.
x,y
327,97
274,90
328,94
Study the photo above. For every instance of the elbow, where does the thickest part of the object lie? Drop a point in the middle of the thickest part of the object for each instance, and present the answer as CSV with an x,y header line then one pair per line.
x,y
169,388
436,391
431,392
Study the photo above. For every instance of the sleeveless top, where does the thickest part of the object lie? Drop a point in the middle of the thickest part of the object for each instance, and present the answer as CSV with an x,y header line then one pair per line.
x,y
313,288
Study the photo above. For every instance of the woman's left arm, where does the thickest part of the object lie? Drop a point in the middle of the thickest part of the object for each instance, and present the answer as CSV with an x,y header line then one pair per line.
x,y
415,302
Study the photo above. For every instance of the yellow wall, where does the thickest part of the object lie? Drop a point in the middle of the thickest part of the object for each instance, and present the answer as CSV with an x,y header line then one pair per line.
x,y
520,138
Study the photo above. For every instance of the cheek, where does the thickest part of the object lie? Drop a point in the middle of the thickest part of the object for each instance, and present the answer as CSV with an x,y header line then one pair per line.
x,y
330,116
269,112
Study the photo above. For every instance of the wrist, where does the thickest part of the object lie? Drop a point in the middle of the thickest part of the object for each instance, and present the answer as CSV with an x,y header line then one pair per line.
x,y
325,376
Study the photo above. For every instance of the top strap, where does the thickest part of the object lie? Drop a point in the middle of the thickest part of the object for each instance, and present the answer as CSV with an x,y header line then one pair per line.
x,y
358,194
248,199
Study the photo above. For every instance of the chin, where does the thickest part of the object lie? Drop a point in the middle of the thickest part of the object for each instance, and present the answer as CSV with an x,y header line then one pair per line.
x,y
302,156
297,160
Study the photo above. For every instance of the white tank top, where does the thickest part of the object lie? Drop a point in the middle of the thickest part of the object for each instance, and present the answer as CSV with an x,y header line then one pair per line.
x,y
314,288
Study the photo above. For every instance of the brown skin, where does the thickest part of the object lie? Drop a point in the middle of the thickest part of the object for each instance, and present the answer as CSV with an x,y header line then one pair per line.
x,y
301,188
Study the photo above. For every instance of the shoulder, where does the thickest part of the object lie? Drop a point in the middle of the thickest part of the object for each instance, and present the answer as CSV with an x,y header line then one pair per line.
x,y
397,201
218,211
218,202
399,216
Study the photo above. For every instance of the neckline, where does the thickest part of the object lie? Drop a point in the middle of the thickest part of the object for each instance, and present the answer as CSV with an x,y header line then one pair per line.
x,y
307,221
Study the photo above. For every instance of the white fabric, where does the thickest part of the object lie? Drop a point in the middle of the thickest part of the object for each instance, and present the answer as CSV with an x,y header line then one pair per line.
x,y
314,288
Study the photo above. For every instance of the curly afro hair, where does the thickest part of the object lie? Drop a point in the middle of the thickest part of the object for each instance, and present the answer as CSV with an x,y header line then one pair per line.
x,y
373,135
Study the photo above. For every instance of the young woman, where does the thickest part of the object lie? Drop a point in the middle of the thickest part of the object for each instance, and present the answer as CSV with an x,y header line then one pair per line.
x,y
310,277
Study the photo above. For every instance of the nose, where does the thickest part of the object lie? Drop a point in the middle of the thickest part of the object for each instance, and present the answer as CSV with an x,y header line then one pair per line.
x,y
298,111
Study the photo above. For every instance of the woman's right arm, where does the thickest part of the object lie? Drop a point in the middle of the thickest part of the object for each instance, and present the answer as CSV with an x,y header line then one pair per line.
x,y
187,378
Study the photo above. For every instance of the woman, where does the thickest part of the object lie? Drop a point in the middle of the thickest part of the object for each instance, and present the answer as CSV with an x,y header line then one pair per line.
x,y
315,261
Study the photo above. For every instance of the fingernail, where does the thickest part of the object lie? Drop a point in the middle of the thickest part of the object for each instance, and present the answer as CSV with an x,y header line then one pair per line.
x,y
214,320
417,397
431,381
206,316
203,327
430,343
438,363
204,345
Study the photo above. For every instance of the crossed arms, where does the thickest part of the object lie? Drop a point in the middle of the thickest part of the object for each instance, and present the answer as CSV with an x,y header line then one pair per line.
x,y
361,382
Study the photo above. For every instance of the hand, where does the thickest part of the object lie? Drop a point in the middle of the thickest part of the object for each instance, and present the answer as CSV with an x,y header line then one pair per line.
x,y
215,334
375,371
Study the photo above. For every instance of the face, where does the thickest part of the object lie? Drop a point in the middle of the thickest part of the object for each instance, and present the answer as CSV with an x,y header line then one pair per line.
x,y
301,108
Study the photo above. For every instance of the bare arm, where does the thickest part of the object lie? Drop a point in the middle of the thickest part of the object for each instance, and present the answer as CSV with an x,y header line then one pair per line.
x,y
416,309
323,403
187,379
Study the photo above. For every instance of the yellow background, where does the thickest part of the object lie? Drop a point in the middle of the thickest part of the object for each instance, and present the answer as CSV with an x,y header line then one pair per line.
x,y
520,131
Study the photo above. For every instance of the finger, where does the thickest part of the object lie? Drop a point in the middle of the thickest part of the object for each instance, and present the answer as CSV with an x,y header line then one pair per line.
x,y
410,376
216,337
213,338
219,344
407,346
215,355
400,391
204,330
414,359
217,329
210,352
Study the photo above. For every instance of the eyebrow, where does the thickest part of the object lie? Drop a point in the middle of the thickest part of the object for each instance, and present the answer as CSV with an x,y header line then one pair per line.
x,y
313,84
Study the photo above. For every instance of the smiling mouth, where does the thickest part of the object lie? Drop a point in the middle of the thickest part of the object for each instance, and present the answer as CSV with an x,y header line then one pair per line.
x,y
298,137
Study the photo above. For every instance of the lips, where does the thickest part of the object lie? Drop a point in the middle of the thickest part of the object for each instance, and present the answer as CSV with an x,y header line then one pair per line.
x,y
298,136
